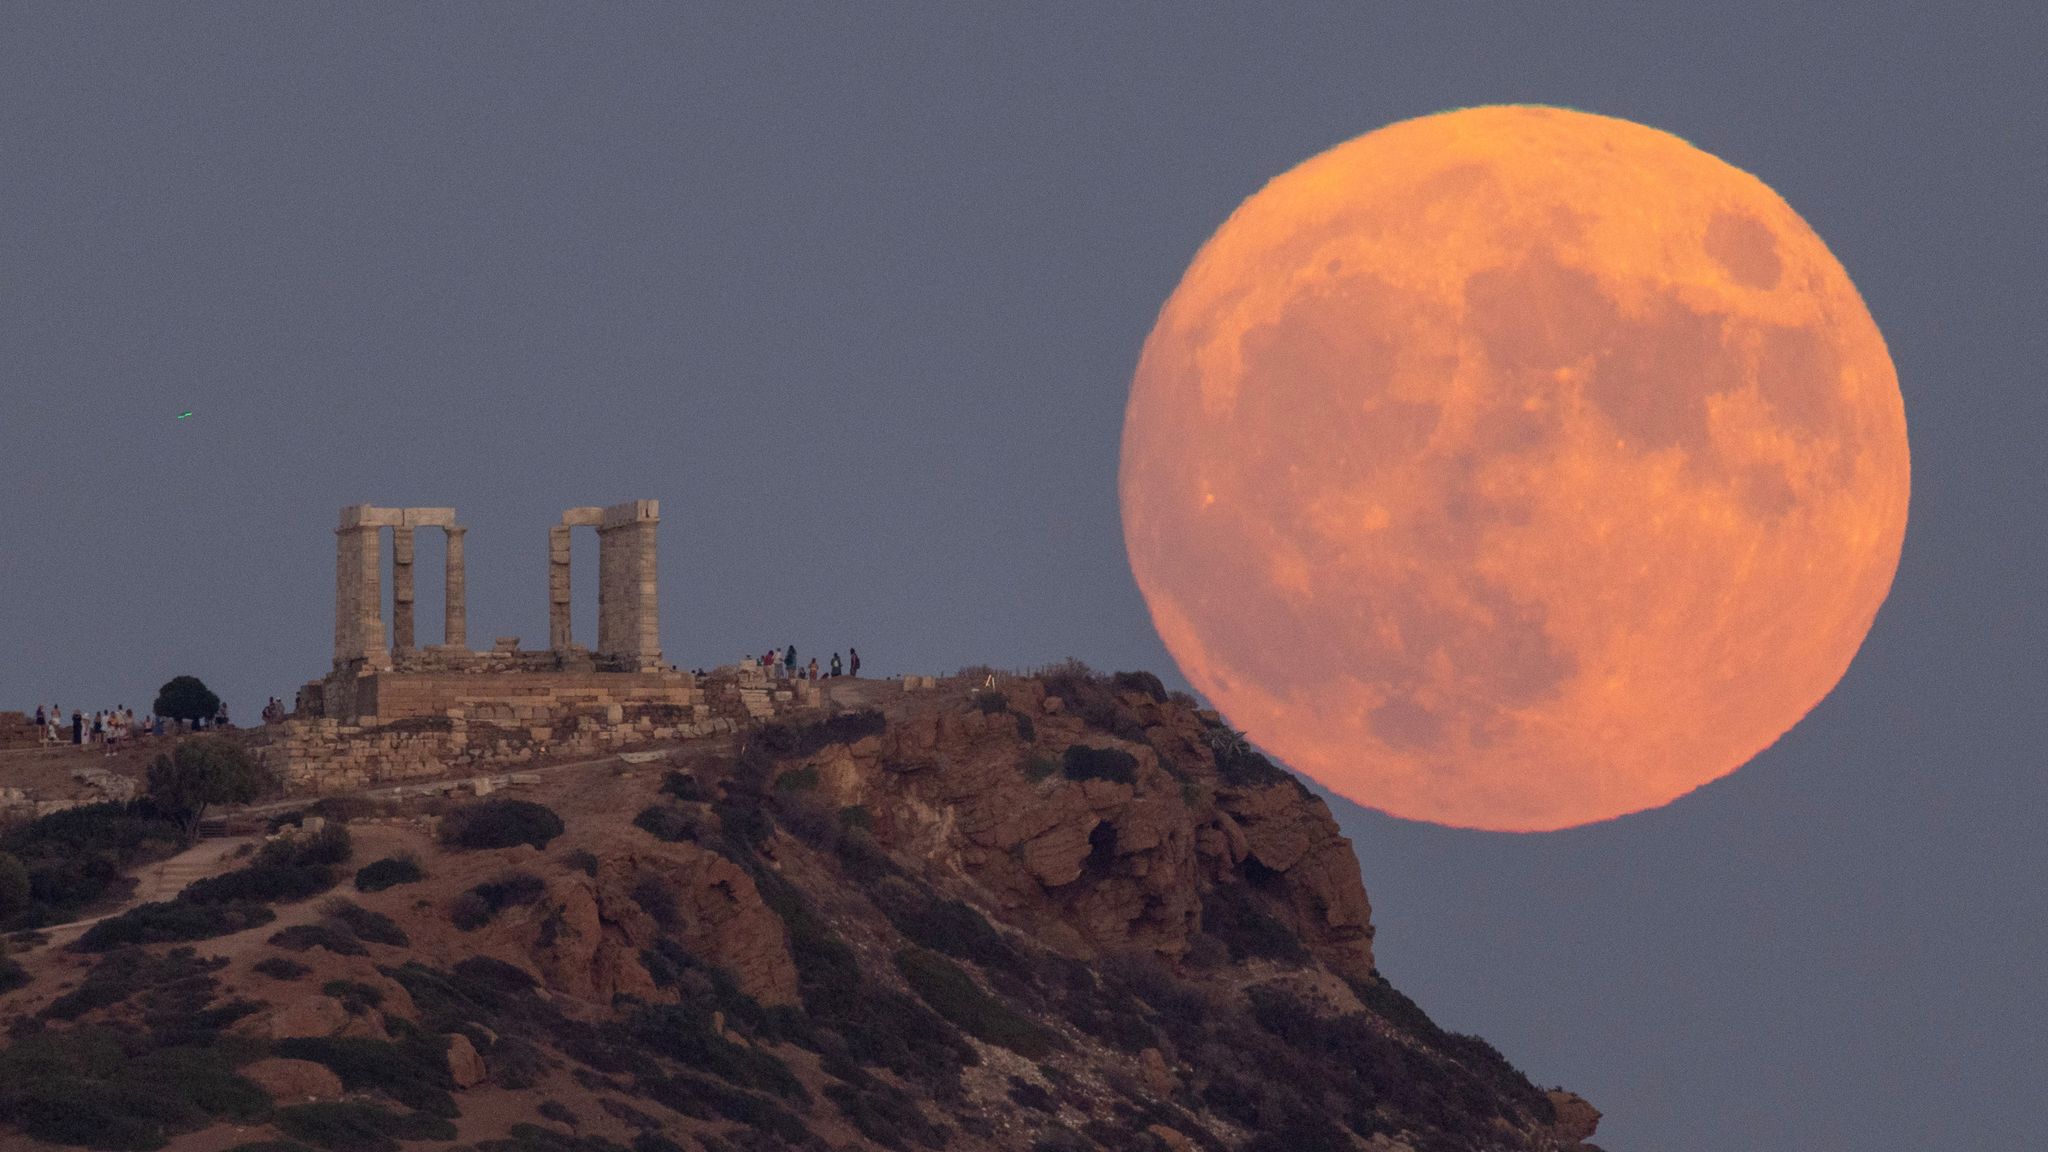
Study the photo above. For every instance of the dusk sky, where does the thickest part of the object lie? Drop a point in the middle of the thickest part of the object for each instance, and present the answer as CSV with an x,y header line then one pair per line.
x,y
857,293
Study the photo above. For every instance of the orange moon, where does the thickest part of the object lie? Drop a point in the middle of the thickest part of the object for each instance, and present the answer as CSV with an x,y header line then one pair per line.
x,y
1514,468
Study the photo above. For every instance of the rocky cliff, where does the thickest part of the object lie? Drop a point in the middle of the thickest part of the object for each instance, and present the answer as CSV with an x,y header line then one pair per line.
x,y
1055,913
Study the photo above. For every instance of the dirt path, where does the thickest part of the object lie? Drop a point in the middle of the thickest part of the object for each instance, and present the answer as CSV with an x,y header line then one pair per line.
x,y
159,881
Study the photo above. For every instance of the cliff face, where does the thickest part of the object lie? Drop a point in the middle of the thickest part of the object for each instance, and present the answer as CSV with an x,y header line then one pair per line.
x,y
1061,913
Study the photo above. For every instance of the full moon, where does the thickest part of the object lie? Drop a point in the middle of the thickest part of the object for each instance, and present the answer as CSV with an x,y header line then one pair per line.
x,y
1514,468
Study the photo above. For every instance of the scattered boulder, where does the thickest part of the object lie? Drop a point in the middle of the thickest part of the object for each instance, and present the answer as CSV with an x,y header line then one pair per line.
x,y
308,1016
465,1067
293,1081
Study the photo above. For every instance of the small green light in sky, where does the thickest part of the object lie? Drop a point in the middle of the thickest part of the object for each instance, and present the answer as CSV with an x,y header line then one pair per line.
x,y
184,414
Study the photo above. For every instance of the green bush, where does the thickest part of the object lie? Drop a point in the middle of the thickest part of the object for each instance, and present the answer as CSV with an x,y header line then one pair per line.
x,y
476,907
684,1033
355,996
558,1112
170,921
788,741
886,1114
949,926
15,897
1091,698
1081,762
12,975
370,927
655,899
357,1127
705,1098
72,857
953,994
500,978
91,1087
413,1073
990,701
133,972
280,968
501,824
683,786
334,937
287,868
803,779
1239,764
879,1025
1143,683
744,824
389,872
1233,914
667,822
469,911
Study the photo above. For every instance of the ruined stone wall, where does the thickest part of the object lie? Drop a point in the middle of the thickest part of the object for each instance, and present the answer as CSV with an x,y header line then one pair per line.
x,y
523,698
330,756
411,726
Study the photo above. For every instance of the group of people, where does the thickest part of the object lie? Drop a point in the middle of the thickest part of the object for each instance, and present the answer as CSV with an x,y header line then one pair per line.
x,y
275,711
107,729
782,664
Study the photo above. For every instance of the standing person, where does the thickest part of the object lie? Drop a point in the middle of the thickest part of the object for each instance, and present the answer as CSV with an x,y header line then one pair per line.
x,y
814,669
835,664
99,727
41,720
853,662
77,728
789,661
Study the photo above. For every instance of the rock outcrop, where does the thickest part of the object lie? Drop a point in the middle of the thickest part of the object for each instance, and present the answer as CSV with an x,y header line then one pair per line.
x,y
1065,913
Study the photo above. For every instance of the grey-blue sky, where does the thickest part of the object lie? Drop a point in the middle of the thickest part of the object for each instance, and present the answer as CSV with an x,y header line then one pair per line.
x,y
857,294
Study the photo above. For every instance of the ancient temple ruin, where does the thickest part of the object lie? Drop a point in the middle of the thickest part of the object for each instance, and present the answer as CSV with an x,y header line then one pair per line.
x,y
380,676
359,583
391,709
628,593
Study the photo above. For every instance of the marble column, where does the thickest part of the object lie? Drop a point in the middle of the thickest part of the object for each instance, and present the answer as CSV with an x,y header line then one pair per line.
x,y
629,615
456,588
401,589
559,638
358,597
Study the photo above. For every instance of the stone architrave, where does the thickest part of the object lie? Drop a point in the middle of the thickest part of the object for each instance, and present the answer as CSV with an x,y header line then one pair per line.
x,y
359,586
359,582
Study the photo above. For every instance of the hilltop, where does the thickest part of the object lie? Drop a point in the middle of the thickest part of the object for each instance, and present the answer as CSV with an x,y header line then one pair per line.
x,y
1061,913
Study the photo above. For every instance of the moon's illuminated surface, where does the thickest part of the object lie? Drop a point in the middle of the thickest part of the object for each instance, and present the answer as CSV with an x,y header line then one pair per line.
x,y
1514,468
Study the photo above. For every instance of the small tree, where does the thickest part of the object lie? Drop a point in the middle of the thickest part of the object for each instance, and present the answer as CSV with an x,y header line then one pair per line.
x,y
187,698
200,773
